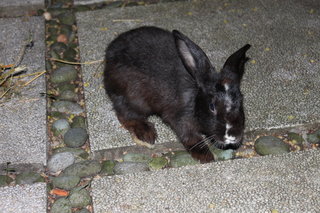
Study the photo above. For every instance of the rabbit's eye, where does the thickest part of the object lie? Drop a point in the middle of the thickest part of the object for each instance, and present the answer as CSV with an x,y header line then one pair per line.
x,y
212,108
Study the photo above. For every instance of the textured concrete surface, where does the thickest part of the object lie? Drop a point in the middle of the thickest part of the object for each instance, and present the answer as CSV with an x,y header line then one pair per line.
x,y
287,183
24,199
282,81
20,3
23,137
14,8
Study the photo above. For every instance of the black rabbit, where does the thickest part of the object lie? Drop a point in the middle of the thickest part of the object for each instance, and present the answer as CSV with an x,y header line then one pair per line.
x,y
151,71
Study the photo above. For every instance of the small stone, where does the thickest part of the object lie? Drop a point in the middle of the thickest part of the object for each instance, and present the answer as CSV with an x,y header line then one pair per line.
x,y
62,38
59,115
79,121
29,178
67,107
130,167
79,198
5,180
115,4
66,30
65,182
58,47
63,87
75,137
73,45
48,65
314,138
107,167
182,158
83,168
55,11
295,138
68,95
62,205
66,73
158,163
136,157
77,152
60,161
83,211
67,18
52,52
270,145
52,23
70,55
60,127
220,154
53,31
82,8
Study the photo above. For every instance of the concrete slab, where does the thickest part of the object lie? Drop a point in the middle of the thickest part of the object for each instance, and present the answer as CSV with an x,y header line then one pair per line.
x,y
23,137
24,199
287,183
12,8
282,81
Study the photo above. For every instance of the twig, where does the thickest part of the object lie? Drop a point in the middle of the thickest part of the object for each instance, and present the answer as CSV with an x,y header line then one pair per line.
x,y
27,43
2,66
12,72
27,75
9,88
3,94
41,73
6,76
76,63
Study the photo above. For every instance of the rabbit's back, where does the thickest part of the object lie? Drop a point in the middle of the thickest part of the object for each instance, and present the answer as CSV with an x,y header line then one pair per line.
x,y
152,50
143,66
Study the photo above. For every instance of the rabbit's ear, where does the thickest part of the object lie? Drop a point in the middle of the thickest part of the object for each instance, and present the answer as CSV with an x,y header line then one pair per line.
x,y
193,58
235,62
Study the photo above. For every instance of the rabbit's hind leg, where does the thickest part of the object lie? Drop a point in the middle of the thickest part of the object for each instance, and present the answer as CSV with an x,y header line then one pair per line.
x,y
142,131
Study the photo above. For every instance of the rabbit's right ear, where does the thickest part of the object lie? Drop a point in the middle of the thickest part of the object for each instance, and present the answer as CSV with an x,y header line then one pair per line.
x,y
194,59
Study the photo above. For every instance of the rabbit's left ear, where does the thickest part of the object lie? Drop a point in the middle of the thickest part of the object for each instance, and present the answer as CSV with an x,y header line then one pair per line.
x,y
235,62
194,59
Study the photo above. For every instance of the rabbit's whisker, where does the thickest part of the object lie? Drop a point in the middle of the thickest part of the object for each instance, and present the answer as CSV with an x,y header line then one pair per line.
x,y
203,143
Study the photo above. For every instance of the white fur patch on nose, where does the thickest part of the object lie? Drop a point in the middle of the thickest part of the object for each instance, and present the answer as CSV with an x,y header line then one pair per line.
x,y
226,87
228,138
227,100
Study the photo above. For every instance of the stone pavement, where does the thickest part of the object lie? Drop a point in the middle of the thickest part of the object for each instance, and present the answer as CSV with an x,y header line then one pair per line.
x,y
23,131
281,87
23,126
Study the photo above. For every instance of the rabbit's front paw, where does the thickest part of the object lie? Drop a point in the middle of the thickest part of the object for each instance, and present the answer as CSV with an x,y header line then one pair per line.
x,y
143,134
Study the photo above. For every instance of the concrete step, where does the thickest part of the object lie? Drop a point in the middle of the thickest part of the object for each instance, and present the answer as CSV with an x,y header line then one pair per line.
x,y
286,183
24,198
15,8
23,136
281,82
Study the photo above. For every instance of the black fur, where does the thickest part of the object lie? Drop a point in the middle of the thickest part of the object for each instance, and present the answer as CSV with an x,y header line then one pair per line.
x,y
151,71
